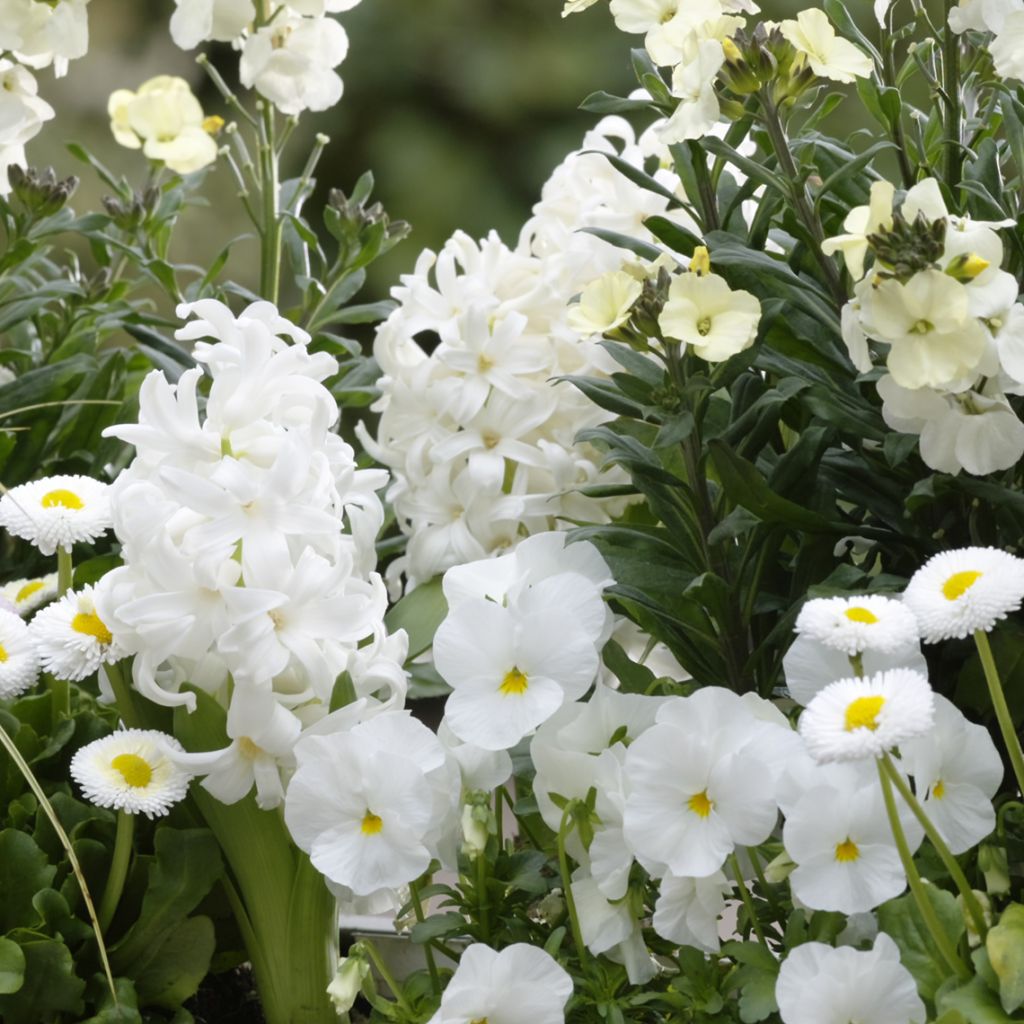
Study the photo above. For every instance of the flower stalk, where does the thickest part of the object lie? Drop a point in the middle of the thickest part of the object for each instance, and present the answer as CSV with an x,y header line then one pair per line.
x,y
1003,716
118,868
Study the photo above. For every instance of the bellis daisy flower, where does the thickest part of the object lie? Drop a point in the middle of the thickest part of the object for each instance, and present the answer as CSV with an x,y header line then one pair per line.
x,y
131,770
857,624
29,594
19,662
956,593
73,641
855,718
57,512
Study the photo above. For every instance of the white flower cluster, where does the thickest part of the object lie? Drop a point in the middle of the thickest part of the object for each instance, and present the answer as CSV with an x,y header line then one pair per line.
x,y
247,537
1005,20
289,51
937,297
480,442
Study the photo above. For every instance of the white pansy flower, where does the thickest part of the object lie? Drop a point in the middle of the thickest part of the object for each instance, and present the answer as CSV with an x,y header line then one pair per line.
x,y
688,910
958,592
195,21
829,55
857,624
821,985
29,594
132,770
860,222
57,512
72,640
605,303
859,718
958,770
714,320
487,985
19,661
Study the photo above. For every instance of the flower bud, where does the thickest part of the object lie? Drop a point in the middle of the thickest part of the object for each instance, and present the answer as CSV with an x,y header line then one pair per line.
x,y
347,982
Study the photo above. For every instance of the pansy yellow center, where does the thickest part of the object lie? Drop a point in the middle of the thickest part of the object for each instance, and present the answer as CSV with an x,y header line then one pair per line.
x,y
959,583
700,804
371,824
134,770
514,683
847,851
862,713
90,624
30,588
858,614
939,790
3,654
248,749
62,498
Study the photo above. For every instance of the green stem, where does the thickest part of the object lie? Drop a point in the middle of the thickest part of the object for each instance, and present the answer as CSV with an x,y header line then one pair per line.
x,y
118,868
483,902
748,901
386,975
952,87
570,900
270,255
1005,719
65,572
124,699
417,909
755,861
917,889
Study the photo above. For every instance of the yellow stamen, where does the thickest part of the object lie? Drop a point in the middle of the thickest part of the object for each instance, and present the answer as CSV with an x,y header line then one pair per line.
x,y
731,50
212,124
63,498
701,262
514,683
863,713
371,824
858,614
959,583
847,851
90,624
3,654
134,769
30,588
700,804
939,790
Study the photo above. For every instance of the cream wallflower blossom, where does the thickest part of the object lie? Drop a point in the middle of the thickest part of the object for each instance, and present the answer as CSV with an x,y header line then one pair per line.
x,y
22,113
133,771
693,84
29,594
860,222
57,512
19,661
958,592
858,718
605,303
575,6
709,316
195,21
829,55
73,641
857,624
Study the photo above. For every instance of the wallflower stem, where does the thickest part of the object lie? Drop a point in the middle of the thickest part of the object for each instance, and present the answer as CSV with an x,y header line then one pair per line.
x,y
564,828
970,900
118,868
417,908
748,901
1003,716
386,975
952,87
917,889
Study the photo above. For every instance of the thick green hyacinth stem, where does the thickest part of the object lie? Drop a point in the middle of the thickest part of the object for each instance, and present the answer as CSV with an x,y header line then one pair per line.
x,y
1003,716
917,889
118,868
944,852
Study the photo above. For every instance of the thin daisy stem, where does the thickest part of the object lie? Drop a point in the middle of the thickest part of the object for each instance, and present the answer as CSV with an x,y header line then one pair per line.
x,y
970,900
118,868
995,690
748,901
65,572
570,901
386,976
428,952
76,867
917,889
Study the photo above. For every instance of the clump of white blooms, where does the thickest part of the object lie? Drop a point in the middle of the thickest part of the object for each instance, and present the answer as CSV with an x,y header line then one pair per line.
x,y
247,537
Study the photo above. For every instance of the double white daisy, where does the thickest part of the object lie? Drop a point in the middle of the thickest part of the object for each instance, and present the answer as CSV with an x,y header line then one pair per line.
x,y
857,624
72,640
57,512
29,594
19,661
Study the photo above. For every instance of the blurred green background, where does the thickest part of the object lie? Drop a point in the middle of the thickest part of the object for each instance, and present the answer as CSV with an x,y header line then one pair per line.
x,y
460,108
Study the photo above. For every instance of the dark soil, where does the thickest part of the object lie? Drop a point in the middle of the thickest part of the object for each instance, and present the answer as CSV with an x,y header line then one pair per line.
x,y
228,998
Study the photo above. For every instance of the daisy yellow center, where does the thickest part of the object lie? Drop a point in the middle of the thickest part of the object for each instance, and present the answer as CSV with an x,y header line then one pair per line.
x,y
90,624
862,713
62,498
858,614
939,790
371,824
959,583
134,770
3,654
700,804
28,590
514,683
847,851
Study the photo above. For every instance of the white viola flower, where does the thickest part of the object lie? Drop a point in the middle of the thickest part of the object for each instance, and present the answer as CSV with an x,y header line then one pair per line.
x,y
860,222
22,113
605,303
512,669
829,55
958,770
968,430
713,319
857,624
688,910
487,985
165,120
934,342
481,770
693,84
860,718
29,594
821,985
955,593
291,62
19,661
71,638
370,804
132,770
1007,48
195,21
57,512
